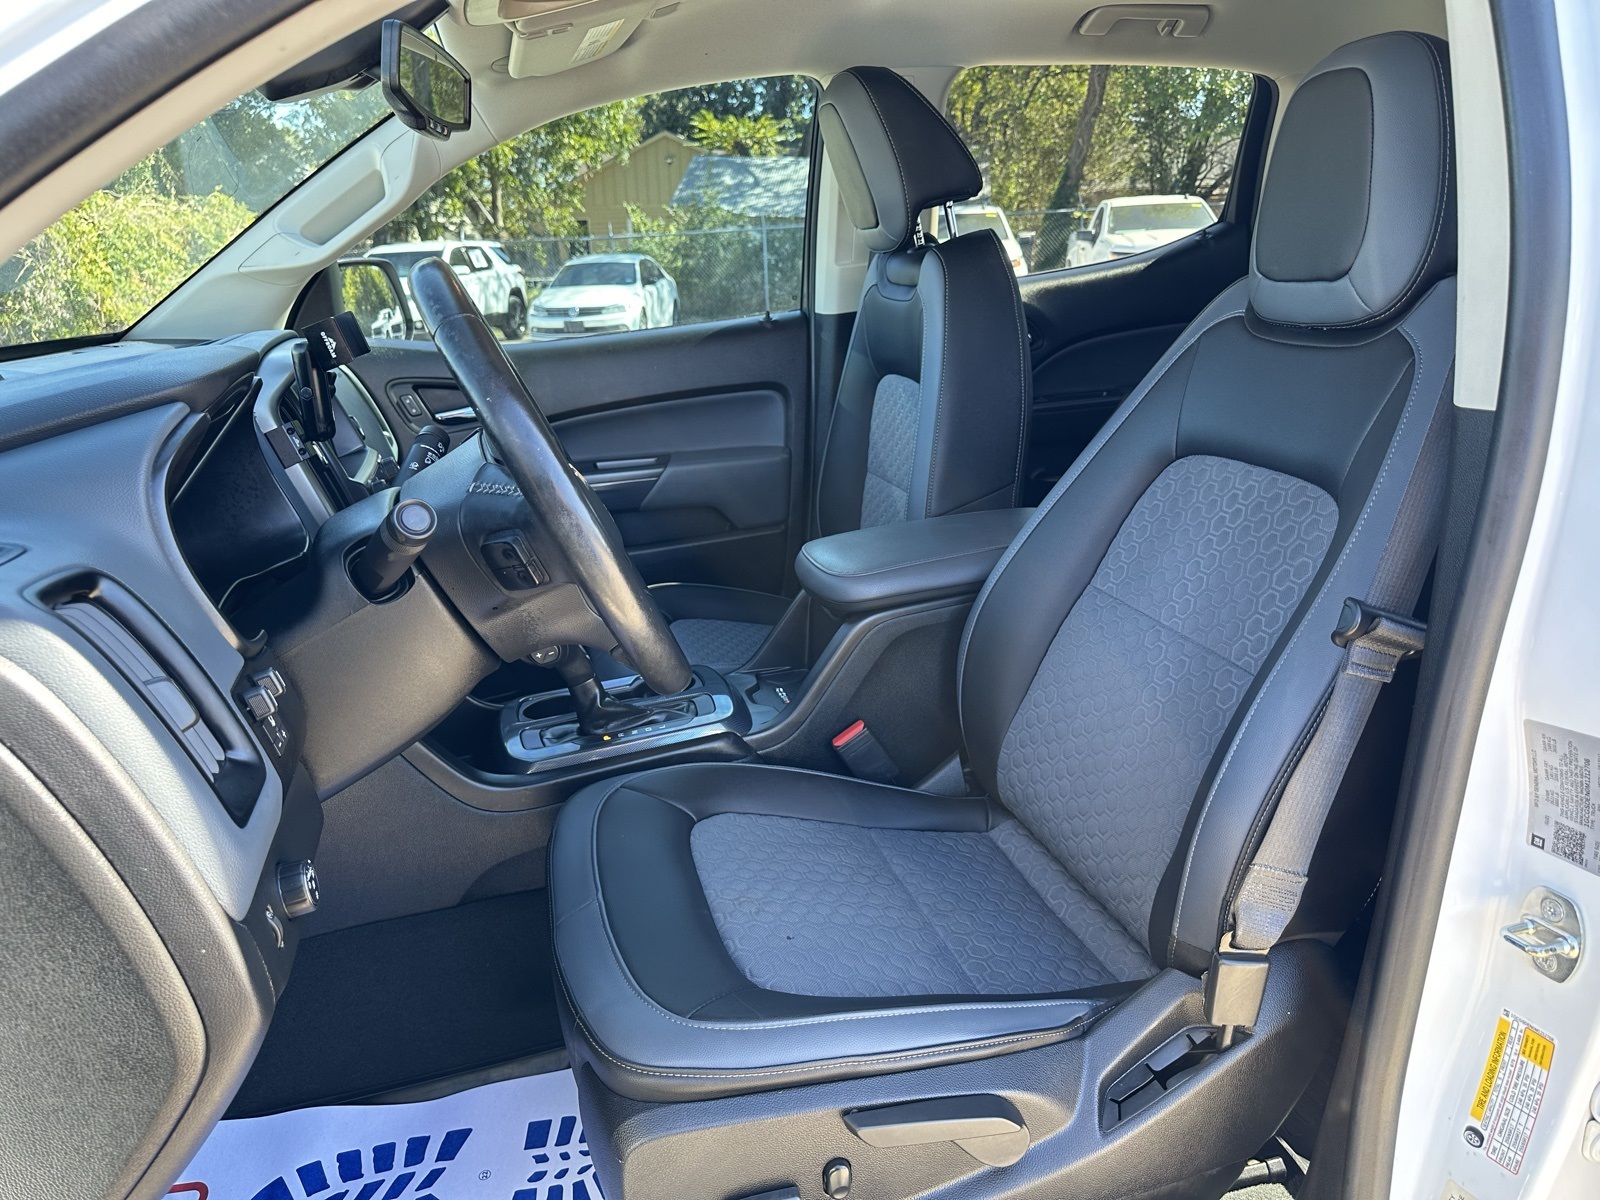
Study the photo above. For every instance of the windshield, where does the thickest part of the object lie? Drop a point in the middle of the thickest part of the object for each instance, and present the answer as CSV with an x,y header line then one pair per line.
x,y
118,254
594,274
1185,214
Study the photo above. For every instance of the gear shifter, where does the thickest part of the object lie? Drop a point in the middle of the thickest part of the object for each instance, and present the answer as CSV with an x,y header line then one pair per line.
x,y
597,711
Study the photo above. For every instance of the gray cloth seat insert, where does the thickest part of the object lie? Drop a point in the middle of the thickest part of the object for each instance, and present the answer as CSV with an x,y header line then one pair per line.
x,y
823,909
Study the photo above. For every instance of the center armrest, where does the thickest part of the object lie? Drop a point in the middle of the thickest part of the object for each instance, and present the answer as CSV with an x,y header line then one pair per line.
x,y
867,570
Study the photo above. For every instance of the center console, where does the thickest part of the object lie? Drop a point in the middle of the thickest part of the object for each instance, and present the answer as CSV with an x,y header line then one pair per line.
x,y
885,607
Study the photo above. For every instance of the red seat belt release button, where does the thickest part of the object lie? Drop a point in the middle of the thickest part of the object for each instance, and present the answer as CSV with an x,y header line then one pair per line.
x,y
864,755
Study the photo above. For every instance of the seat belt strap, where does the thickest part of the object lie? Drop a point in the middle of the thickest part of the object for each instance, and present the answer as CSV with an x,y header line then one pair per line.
x,y
1376,638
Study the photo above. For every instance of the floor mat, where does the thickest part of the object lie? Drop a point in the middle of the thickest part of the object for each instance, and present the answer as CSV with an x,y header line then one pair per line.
x,y
515,1140
381,1006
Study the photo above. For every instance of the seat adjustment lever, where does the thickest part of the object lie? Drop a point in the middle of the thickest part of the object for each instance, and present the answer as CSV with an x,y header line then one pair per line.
x,y
990,1128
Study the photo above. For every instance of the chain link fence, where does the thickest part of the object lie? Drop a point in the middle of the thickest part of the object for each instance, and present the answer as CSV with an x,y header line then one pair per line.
x,y
720,273
1043,234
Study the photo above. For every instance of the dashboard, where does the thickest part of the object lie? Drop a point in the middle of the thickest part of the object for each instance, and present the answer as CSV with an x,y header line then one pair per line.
x,y
153,744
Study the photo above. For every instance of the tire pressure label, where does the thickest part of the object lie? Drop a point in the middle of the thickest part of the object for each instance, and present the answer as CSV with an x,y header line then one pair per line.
x,y
1562,813
1510,1092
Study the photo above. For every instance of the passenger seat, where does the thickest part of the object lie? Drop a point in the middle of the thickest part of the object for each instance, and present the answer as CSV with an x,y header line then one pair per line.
x,y
931,411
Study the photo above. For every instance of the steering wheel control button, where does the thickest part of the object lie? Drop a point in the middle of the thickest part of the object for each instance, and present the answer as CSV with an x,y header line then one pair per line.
x,y
297,889
385,558
509,560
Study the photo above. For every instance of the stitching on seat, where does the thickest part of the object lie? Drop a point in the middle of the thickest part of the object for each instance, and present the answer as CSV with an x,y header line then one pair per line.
x,y
927,920
888,135
944,377
1349,546
1056,1033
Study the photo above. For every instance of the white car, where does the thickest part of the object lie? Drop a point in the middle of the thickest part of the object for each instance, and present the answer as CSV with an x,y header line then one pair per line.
x,y
1133,224
606,293
972,217
495,283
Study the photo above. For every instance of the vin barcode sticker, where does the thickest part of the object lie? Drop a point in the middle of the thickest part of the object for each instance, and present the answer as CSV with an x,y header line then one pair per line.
x,y
1561,802
1511,1091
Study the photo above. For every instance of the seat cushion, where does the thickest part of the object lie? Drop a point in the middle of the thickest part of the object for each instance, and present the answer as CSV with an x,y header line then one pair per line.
x,y
718,627
825,909
732,927
720,645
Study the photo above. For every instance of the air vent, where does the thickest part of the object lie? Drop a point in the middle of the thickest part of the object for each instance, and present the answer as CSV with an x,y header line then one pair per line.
x,y
153,662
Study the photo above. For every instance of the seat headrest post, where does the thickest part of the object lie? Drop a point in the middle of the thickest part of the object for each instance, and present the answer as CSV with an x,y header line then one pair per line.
x,y
893,153
1357,216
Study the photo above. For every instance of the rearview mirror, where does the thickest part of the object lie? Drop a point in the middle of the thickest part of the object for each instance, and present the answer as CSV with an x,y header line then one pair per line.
x,y
428,90
370,288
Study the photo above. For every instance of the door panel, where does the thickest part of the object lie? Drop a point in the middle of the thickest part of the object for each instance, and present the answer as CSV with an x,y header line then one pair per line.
x,y
1095,332
689,433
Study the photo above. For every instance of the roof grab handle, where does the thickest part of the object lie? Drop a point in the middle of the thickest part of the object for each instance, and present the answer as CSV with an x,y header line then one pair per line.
x,y
1170,20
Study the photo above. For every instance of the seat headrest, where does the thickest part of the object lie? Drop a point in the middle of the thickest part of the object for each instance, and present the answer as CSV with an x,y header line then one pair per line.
x,y
892,152
1357,215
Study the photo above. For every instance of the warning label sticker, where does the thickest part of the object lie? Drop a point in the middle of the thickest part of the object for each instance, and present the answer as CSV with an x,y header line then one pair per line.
x,y
1561,803
1511,1091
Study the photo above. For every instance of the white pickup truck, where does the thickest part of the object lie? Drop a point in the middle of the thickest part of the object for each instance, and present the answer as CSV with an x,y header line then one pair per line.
x,y
495,283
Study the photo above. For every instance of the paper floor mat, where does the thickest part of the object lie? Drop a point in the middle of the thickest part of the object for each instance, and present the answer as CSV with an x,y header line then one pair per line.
x,y
516,1140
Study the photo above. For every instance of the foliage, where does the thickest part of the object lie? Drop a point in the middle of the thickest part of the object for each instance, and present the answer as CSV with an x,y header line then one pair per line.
x,y
788,99
1063,138
763,136
716,256
106,263
529,185
103,265
1162,129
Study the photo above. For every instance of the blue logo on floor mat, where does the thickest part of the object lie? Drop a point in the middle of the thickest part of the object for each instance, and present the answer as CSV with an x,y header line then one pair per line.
x,y
562,1168
373,1177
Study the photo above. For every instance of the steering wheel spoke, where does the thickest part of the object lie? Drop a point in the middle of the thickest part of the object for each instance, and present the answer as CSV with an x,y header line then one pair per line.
x,y
579,543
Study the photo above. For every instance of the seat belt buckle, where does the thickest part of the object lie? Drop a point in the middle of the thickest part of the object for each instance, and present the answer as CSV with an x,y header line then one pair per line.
x,y
1362,624
864,755
1234,987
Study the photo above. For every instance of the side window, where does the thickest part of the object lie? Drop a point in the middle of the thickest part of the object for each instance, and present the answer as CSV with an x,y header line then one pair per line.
x,y
458,258
478,259
1156,145
698,195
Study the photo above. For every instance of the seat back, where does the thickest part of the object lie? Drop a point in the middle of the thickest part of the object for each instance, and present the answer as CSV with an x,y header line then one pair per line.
x,y
1143,665
930,413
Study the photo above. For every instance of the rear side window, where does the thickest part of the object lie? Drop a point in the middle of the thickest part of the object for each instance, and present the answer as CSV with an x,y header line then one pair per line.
x,y
1094,163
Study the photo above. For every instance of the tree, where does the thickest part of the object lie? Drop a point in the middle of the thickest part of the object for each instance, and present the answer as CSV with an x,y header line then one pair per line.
x,y
733,133
527,186
103,265
1051,243
1134,131
784,98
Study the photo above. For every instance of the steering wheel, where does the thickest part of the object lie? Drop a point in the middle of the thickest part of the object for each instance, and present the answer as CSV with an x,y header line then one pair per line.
x,y
562,500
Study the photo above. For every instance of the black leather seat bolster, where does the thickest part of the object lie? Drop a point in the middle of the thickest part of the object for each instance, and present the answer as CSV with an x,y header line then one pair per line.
x,y
868,570
659,1001
686,601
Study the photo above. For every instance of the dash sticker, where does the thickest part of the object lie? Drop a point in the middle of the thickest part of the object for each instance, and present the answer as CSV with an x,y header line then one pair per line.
x,y
1510,1091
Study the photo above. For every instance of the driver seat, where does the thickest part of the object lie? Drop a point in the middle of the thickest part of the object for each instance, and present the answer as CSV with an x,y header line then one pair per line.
x,y
932,401
758,963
